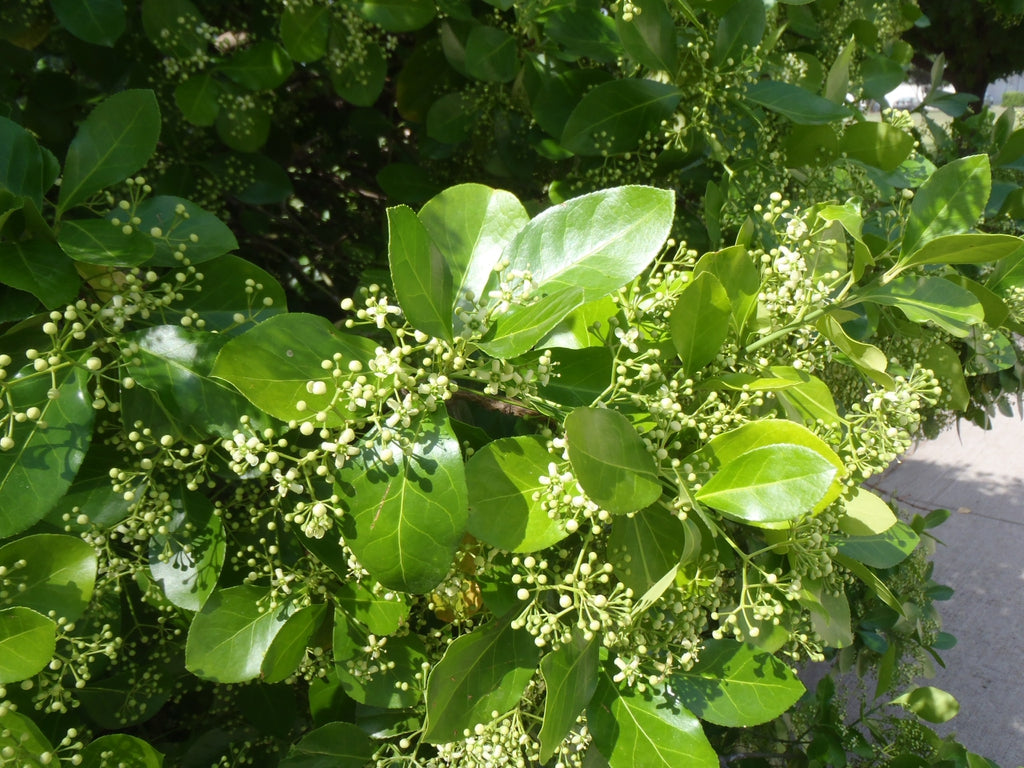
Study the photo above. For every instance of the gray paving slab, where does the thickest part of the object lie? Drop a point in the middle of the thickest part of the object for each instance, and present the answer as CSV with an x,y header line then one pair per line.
x,y
979,476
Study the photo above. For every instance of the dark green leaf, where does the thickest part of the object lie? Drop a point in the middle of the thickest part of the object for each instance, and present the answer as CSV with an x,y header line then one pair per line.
x,y
198,98
97,241
491,55
92,493
41,268
814,145
930,299
739,32
868,358
830,613
407,183
612,118
229,638
880,75
876,144
610,460
699,323
359,79
736,685
213,238
59,573
554,94
481,672
272,363
25,167
770,486
740,277
244,123
398,15
304,30
262,67
41,466
400,658
406,517
881,550
570,677
451,118
99,22
650,37
27,642
335,745
797,104
420,274
950,202
943,361
288,647
186,560
23,738
645,546
640,730
577,252
380,610
471,225
127,750
580,375
175,364
584,31
173,26
503,478
115,140
837,81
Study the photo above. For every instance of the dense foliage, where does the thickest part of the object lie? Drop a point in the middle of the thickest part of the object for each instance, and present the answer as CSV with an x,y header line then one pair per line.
x,y
640,297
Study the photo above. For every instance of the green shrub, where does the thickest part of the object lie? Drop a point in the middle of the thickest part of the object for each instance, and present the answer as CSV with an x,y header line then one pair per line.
x,y
1013,99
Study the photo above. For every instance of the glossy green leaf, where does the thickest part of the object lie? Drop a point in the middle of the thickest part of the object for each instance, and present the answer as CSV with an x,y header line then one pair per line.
x,y
380,610
397,15
420,274
739,32
25,167
100,22
869,359
815,145
115,140
186,560
213,238
175,364
288,648
128,750
770,486
793,102
929,703
930,299
198,98
97,241
610,460
22,738
577,252
964,249
881,550
491,54
406,518
641,730
230,636
876,144
481,672
699,322
262,67
570,678
650,37
381,685
580,375
739,275
41,268
41,466
645,546
830,613
503,478
334,745
271,364
866,514
471,225
304,31
950,202
872,580
737,685
613,117
808,400
59,573
92,494
28,640
244,125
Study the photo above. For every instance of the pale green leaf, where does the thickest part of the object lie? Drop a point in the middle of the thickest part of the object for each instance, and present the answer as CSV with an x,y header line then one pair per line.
x,y
699,322
186,560
930,299
28,640
59,573
866,514
929,703
950,202
570,678
420,274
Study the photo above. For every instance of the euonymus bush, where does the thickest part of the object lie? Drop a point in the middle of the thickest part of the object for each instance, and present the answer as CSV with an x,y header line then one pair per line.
x,y
569,484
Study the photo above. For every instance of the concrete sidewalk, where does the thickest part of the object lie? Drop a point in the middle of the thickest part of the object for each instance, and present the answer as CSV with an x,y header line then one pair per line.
x,y
979,476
